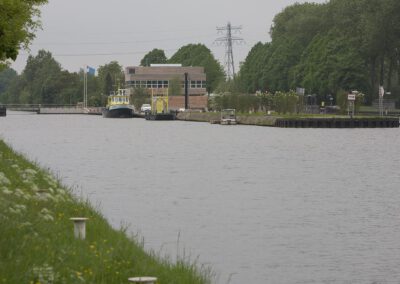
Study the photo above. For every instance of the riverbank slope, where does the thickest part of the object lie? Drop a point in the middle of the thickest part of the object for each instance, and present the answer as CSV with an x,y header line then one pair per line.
x,y
37,243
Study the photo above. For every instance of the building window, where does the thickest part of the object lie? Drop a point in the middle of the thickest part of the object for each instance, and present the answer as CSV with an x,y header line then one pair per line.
x,y
131,70
198,84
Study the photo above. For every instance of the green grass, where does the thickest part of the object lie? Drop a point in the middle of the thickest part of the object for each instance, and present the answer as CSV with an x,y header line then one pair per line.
x,y
37,244
370,109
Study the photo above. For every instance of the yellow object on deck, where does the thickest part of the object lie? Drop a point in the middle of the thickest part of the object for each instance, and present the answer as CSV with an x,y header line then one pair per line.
x,y
160,105
160,102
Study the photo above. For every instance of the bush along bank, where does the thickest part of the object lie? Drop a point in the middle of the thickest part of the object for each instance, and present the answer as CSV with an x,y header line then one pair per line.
x,y
37,243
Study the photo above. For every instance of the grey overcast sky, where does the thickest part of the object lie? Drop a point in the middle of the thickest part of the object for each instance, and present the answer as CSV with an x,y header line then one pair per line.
x,y
96,32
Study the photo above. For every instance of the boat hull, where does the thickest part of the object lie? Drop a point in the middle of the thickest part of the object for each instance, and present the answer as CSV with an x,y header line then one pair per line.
x,y
121,112
160,116
228,122
3,111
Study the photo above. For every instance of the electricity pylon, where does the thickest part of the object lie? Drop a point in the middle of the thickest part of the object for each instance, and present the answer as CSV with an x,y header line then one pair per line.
x,y
228,40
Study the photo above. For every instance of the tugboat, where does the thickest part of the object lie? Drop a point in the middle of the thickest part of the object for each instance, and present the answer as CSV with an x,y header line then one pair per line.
x,y
118,105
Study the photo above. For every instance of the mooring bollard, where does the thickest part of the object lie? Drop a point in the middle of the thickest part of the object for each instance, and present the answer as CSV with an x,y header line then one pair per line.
x,y
79,227
143,280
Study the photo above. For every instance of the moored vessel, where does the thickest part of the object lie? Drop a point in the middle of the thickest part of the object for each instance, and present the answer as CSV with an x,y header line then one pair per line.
x,y
118,105
159,108
228,117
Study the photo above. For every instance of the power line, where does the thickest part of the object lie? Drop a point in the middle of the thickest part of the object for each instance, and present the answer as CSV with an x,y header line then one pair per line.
x,y
100,54
172,30
120,42
228,40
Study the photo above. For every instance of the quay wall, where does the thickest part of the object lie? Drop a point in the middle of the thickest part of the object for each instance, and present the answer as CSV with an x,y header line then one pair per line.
x,y
297,122
215,116
341,122
61,110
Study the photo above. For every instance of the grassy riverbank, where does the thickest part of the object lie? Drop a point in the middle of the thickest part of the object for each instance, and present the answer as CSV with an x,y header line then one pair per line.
x,y
37,244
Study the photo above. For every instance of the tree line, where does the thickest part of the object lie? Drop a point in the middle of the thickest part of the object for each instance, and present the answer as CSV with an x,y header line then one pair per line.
x,y
43,81
341,45
328,49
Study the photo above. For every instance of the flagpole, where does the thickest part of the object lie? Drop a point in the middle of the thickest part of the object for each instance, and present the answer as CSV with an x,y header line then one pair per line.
x,y
83,75
84,87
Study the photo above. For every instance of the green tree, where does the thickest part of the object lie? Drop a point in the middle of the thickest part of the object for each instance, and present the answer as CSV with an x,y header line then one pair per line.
x,y
39,78
156,56
69,88
7,76
44,82
285,102
200,55
113,70
250,76
19,19
341,44
331,63
108,84
140,96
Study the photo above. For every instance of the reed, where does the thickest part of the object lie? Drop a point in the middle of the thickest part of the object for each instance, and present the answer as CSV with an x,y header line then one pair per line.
x,y
37,243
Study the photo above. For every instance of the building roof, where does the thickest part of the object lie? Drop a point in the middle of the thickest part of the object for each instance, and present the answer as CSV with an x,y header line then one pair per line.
x,y
165,69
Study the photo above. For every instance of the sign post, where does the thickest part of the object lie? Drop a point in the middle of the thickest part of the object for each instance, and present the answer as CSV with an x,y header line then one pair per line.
x,y
351,98
381,94
301,92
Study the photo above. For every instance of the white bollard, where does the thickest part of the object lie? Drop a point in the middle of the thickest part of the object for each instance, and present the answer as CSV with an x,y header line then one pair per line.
x,y
143,280
79,227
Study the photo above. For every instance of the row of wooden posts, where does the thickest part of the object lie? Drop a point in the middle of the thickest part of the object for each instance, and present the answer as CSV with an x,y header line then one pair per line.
x,y
80,234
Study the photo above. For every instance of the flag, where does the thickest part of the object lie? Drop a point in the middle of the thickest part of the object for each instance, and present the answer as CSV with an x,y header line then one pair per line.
x,y
90,70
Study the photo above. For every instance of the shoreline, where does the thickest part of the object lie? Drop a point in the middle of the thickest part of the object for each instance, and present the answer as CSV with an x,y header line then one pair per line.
x,y
257,120
38,243
298,121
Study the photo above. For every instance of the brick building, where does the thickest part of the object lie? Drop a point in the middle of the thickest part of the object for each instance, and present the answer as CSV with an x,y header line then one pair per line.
x,y
157,77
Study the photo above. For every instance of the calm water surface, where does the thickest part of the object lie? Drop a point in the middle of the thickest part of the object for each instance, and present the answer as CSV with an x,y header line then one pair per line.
x,y
259,205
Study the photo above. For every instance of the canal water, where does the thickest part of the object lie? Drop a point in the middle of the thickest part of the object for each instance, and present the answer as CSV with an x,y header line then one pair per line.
x,y
257,205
